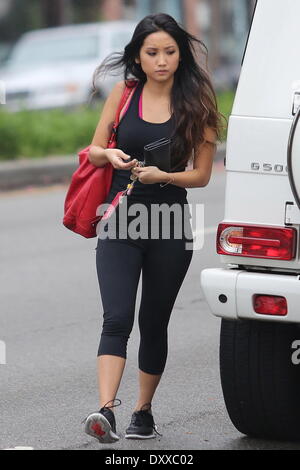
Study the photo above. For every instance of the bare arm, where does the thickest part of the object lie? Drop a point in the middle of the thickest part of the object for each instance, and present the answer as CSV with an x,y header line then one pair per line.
x,y
99,154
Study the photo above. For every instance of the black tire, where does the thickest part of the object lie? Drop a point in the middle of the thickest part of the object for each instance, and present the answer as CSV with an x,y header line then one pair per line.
x,y
261,385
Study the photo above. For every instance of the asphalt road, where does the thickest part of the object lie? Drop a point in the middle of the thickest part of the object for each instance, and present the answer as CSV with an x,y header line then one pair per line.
x,y
50,322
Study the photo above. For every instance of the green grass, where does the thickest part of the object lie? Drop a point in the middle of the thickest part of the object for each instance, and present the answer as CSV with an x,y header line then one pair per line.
x,y
33,134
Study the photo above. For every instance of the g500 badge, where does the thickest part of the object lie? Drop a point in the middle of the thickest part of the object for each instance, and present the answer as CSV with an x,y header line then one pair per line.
x,y
268,167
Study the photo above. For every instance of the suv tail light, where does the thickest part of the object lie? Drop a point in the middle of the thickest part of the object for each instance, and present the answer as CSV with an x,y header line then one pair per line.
x,y
270,304
256,241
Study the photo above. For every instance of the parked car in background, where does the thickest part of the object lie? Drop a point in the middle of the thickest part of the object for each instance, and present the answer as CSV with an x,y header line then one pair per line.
x,y
53,68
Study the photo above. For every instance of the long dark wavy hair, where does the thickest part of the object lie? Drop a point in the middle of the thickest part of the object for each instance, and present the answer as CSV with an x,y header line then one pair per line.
x,y
193,99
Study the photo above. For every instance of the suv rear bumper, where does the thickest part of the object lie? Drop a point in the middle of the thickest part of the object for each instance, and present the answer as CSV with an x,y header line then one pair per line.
x,y
238,288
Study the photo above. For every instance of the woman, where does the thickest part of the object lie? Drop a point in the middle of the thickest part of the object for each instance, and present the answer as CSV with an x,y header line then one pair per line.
x,y
172,98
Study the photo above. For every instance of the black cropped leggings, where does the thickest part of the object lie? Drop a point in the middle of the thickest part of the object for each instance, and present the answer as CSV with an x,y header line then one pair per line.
x,y
164,264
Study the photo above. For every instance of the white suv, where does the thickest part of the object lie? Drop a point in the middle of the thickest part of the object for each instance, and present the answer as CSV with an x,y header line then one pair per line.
x,y
257,292
53,67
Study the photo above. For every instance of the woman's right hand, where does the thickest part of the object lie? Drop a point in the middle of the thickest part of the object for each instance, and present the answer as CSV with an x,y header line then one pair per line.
x,y
116,157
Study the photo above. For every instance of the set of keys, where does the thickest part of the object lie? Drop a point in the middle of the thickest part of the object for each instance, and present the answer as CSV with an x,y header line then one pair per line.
x,y
133,179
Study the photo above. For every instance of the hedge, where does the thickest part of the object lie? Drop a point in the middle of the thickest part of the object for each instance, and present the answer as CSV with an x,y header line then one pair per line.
x,y
33,134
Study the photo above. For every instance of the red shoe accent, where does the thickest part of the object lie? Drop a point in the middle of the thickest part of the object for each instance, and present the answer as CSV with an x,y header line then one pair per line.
x,y
97,429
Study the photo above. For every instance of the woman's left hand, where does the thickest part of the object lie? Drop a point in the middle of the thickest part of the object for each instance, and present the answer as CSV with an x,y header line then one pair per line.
x,y
149,174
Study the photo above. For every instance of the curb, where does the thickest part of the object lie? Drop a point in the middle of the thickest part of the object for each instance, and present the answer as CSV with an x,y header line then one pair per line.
x,y
36,172
46,171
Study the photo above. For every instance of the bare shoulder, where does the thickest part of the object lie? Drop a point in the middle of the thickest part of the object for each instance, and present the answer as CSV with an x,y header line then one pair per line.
x,y
112,101
116,93
119,88
108,115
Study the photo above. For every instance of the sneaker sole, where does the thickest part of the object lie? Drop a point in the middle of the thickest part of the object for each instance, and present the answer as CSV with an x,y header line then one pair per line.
x,y
98,427
140,436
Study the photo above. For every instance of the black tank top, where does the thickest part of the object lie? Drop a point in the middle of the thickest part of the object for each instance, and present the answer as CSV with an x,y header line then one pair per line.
x,y
132,135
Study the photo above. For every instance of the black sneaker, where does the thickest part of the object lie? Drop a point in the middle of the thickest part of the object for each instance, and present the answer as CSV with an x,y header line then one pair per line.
x,y
102,424
142,424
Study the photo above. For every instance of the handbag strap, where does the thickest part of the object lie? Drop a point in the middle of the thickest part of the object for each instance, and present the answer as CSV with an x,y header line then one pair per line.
x,y
128,90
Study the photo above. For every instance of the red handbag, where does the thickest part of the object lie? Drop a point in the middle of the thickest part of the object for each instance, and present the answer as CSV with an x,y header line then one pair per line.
x,y
90,184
